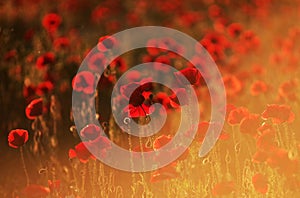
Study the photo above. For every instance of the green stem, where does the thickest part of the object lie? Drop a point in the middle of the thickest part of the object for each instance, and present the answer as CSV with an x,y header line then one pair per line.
x,y
24,166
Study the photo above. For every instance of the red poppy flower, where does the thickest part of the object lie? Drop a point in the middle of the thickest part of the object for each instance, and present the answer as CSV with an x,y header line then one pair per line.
x,y
137,98
152,47
280,160
217,53
278,113
51,22
220,24
236,115
248,35
161,141
96,62
17,138
100,145
164,60
229,108
35,191
214,40
61,43
148,95
170,47
91,132
190,73
73,60
165,173
100,13
223,188
260,183
133,19
258,87
266,141
119,64
288,90
168,7
214,11
44,60
136,89
199,63
44,88
147,58
81,152
215,44
84,82
34,109
163,99
235,30
250,124
232,85
249,40
106,43
133,76
189,18
138,111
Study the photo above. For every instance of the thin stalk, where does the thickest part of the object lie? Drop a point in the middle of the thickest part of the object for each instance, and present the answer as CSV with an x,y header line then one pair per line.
x,y
24,166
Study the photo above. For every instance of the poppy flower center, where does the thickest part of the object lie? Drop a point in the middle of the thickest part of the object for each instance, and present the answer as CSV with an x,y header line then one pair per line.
x,y
82,82
136,98
98,62
236,32
52,22
108,43
214,40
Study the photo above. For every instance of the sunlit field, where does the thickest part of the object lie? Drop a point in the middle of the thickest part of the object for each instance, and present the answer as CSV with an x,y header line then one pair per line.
x,y
43,154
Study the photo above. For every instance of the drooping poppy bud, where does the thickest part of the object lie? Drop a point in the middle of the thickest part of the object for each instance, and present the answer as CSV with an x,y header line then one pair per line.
x,y
34,109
